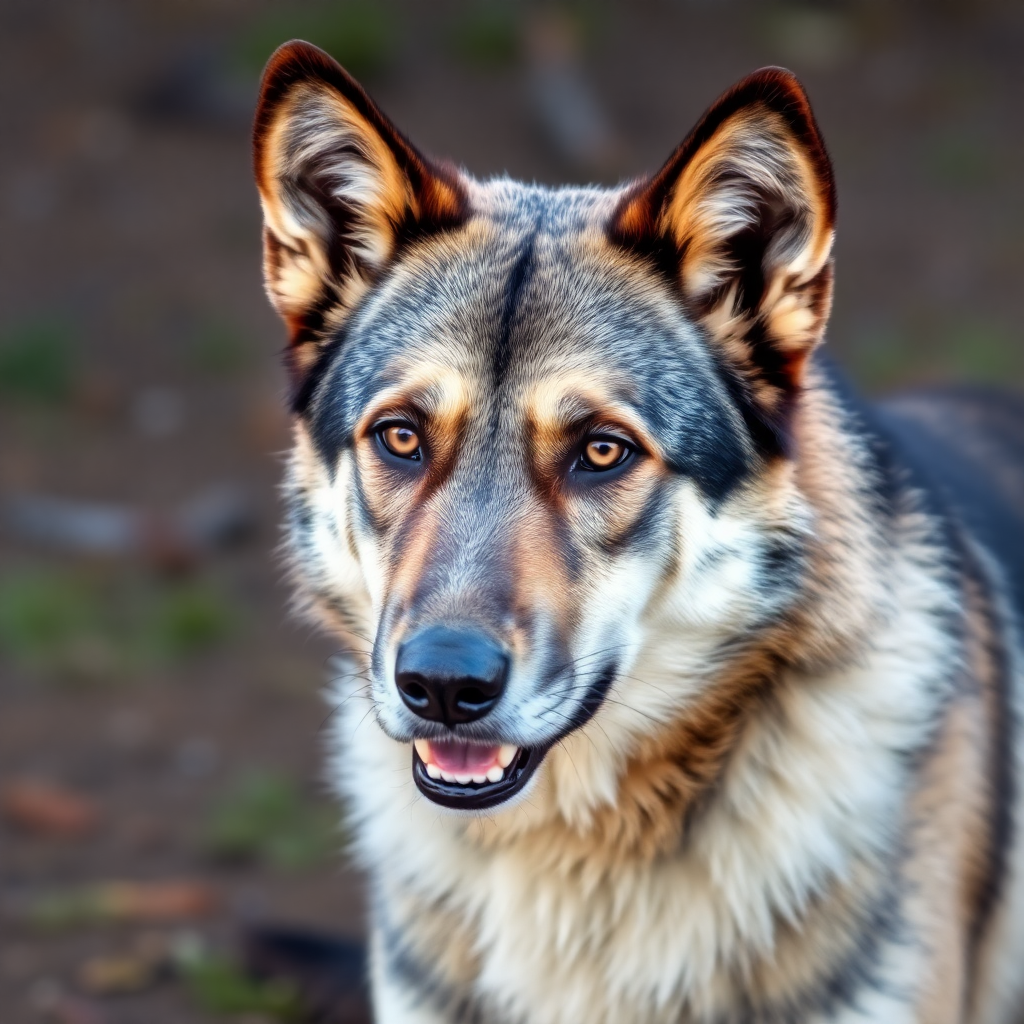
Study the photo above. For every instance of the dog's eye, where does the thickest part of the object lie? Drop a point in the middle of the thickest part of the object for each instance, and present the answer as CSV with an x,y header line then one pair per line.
x,y
400,439
602,453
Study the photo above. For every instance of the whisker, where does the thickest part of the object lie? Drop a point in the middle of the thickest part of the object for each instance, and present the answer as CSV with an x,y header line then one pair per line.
x,y
584,658
606,699
565,749
355,673
362,691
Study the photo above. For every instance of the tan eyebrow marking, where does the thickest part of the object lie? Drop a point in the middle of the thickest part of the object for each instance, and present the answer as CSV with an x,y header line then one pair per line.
x,y
552,406
441,391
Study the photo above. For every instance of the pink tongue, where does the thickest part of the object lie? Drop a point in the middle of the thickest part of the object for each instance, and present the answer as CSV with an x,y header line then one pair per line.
x,y
463,758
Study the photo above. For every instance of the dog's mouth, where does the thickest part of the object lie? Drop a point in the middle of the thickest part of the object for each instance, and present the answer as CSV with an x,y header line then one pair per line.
x,y
471,776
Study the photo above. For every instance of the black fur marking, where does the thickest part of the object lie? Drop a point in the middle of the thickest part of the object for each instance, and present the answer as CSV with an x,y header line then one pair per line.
x,y
644,531
782,564
769,434
679,396
1001,778
592,700
518,279
411,973
303,394
329,410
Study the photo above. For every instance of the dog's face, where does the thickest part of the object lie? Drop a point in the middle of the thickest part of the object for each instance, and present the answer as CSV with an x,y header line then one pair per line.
x,y
537,429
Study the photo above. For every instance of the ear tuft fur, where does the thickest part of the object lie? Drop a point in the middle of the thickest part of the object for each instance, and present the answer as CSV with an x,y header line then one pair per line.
x,y
341,188
742,215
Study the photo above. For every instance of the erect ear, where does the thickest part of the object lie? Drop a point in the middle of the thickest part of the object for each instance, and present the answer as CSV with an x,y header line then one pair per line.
x,y
341,190
743,214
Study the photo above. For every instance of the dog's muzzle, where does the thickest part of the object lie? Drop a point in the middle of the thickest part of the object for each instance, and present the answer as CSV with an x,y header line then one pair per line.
x,y
454,676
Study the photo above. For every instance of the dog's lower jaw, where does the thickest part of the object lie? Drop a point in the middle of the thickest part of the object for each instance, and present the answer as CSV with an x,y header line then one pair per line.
x,y
508,776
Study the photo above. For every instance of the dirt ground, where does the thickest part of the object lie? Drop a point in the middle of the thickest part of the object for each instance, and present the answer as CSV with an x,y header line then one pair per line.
x,y
168,692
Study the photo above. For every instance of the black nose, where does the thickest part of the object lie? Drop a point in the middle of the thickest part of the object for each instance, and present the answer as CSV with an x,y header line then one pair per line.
x,y
450,675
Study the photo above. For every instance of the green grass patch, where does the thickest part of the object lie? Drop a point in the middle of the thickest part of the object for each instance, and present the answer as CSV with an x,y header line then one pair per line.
x,y
360,34
56,623
217,349
219,985
960,159
487,35
186,620
94,626
36,361
981,350
264,818
958,349
39,611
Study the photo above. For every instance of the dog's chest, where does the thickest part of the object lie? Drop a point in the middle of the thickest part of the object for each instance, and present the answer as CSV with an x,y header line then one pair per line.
x,y
655,944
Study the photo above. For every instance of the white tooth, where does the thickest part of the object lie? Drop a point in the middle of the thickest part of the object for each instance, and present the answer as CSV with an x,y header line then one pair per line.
x,y
507,754
496,773
423,749
463,780
433,771
479,779
447,776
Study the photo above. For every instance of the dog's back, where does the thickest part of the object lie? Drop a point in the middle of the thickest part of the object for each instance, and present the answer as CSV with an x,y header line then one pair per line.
x,y
966,447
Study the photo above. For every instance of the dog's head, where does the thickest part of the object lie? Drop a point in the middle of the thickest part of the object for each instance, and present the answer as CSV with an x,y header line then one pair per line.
x,y
540,431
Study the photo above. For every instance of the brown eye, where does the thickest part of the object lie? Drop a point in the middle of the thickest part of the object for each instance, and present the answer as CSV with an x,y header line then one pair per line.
x,y
401,440
604,453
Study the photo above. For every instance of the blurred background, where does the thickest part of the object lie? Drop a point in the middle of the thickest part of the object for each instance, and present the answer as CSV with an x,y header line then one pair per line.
x,y
161,726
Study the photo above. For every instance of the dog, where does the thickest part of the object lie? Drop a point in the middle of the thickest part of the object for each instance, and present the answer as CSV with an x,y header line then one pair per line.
x,y
684,686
